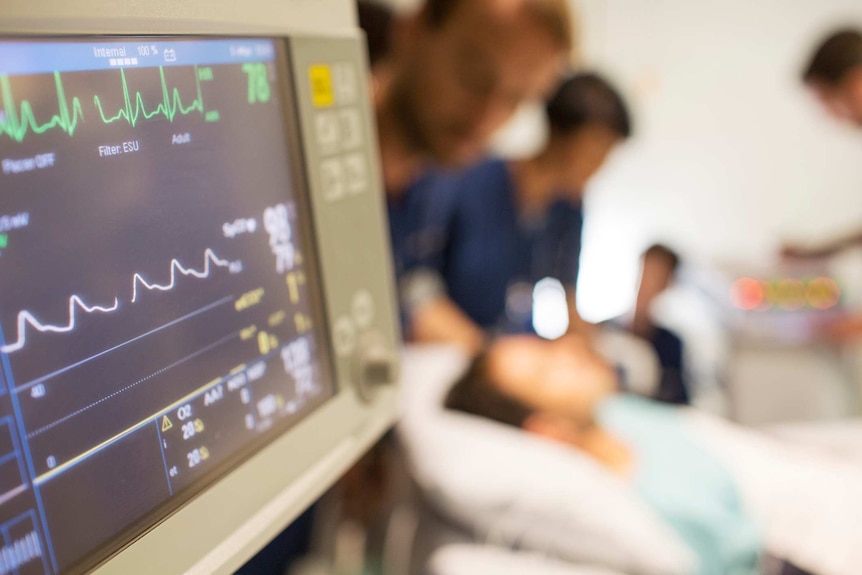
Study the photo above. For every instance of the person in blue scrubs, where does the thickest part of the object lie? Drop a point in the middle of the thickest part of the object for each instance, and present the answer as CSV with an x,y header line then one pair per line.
x,y
490,233
455,72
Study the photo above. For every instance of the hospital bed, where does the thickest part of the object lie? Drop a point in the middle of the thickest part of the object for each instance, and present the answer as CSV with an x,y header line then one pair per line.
x,y
559,510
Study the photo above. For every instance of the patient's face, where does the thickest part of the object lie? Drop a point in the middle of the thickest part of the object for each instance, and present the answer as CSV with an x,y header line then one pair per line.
x,y
561,377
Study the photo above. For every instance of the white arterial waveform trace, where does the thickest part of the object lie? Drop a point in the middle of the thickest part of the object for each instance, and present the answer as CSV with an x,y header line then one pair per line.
x,y
176,266
25,317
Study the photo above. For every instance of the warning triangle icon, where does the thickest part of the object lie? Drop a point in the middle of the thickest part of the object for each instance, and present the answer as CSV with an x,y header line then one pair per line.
x,y
166,423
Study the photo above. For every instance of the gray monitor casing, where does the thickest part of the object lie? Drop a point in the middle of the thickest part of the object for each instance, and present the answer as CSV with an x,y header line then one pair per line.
x,y
227,523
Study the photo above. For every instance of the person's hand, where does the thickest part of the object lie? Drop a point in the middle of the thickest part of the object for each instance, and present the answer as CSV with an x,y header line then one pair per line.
x,y
791,252
842,330
580,327
440,320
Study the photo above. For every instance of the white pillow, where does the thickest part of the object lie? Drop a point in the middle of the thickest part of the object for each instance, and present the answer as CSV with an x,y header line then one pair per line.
x,y
512,489
461,559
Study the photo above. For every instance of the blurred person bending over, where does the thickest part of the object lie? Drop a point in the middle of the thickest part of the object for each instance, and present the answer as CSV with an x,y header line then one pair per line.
x,y
834,75
509,224
458,69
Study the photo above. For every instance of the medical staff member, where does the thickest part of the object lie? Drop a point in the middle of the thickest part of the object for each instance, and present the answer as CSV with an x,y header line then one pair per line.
x,y
458,69
511,224
659,265
834,75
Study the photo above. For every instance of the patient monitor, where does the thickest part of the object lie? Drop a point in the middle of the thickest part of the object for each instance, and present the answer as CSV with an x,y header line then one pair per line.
x,y
197,326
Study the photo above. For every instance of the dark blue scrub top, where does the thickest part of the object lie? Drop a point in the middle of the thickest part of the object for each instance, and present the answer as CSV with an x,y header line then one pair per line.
x,y
670,352
467,228
418,220
669,349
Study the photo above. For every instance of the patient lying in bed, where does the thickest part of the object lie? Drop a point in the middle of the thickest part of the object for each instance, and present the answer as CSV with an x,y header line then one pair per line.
x,y
728,493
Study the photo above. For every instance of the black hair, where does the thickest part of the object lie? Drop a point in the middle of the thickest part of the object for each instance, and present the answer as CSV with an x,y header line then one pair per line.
x,y
837,55
438,11
587,99
376,19
663,251
474,393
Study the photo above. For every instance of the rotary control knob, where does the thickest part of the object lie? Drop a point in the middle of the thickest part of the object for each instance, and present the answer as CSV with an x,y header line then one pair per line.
x,y
375,365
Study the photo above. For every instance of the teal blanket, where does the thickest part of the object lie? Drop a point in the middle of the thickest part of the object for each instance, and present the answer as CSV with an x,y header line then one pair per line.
x,y
685,485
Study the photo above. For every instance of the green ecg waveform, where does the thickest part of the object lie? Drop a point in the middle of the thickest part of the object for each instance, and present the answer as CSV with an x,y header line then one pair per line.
x,y
17,124
170,106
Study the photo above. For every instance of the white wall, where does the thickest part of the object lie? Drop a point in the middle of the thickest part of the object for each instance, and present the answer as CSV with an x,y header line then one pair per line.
x,y
731,155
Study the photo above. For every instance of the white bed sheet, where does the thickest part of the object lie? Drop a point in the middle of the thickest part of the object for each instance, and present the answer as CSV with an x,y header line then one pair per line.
x,y
463,559
808,502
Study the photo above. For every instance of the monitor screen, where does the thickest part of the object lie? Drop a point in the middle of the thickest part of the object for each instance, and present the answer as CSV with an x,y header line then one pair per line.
x,y
158,313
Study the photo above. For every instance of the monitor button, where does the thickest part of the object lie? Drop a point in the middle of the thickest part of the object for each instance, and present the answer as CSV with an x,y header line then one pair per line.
x,y
376,365
332,179
362,309
345,83
355,173
344,336
326,130
349,128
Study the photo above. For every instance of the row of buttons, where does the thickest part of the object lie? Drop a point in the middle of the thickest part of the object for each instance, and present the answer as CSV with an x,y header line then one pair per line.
x,y
345,83
344,171
342,176
339,130
345,328
333,84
